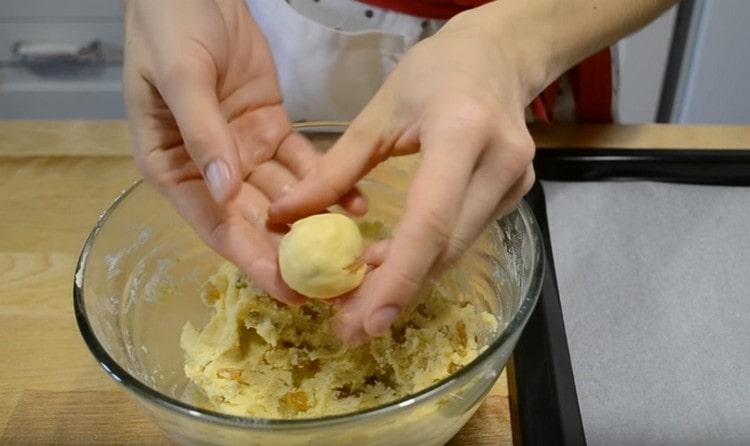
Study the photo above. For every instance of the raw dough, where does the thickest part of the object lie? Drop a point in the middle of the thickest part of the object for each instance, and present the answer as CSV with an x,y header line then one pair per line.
x,y
256,357
321,256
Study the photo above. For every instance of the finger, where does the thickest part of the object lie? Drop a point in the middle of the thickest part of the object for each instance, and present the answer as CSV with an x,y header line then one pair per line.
x,y
299,156
503,176
255,258
373,256
252,204
259,132
354,202
259,142
433,200
192,100
273,179
332,176
233,236
376,253
516,193
152,129
267,276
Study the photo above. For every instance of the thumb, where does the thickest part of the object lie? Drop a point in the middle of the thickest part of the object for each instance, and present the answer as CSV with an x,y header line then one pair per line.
x,y
333,177
206,135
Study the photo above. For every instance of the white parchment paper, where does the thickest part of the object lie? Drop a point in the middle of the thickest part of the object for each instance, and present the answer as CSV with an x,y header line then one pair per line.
x,y
654,283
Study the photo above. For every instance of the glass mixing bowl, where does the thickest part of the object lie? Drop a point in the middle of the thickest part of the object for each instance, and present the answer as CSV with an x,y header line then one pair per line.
x,y
137,283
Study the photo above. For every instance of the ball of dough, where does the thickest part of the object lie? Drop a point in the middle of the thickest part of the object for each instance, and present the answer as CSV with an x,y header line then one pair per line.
x,y
321,256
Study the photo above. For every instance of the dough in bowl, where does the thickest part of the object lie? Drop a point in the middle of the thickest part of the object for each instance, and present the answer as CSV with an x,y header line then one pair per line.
x,y
257,357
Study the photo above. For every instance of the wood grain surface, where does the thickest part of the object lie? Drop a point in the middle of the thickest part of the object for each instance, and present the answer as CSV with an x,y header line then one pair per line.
x,y
641,136
55,179
111,138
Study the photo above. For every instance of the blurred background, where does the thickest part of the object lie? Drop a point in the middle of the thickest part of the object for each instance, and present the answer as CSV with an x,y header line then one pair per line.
x,y
62,59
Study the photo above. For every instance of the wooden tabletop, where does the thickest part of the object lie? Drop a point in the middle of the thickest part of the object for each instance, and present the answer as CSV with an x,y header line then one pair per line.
x,y
55,179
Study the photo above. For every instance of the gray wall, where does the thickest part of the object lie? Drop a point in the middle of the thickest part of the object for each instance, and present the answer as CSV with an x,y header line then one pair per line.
x,y
713,84
642,61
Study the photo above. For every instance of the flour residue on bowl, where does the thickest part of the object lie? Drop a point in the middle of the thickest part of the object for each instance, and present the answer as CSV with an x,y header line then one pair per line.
x,y
113,260
256,357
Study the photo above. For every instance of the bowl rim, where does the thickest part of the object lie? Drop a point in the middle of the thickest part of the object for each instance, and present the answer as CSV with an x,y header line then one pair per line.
x,y
136,386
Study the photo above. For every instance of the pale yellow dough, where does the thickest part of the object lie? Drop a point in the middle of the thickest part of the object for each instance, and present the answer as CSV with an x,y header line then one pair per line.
x,y
321,256
256,357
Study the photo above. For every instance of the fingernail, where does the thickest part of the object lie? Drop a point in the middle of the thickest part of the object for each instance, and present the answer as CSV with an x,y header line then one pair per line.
x,y
381,319
217,178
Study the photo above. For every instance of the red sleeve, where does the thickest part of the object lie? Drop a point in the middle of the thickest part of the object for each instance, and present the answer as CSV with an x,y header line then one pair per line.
x,y
590,81
434,9
591,85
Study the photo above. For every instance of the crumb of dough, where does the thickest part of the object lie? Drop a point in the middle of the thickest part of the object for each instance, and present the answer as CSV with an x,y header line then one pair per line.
x,y
257,357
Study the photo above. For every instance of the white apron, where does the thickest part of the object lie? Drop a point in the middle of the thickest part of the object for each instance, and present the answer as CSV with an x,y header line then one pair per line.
x,y
328,73
332,55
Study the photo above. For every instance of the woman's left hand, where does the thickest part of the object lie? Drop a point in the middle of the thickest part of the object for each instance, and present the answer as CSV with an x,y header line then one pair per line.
x,y
458,98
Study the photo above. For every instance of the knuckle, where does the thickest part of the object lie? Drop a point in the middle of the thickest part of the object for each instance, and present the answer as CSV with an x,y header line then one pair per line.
x,y
522,186
330,190
159,178
517,156
222,235
268,138
528,181
218,235
517,192
407,284
457,245
254,217
522,148
436,228
470,124
467,112
265,139
163,180
472,111
199,140
175,71
472,115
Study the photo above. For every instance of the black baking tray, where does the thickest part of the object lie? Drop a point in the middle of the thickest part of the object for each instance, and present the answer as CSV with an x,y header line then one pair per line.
x,y
692,166
544,403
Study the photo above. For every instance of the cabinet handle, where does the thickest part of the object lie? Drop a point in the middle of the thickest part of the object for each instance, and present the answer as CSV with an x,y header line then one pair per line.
x,y
46,52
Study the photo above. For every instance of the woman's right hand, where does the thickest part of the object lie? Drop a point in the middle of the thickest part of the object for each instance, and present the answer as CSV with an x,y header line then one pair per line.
x,y
209,128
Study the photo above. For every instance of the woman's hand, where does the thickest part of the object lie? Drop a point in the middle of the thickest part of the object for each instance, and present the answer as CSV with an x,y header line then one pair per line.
x,y
459,98
460,104
209,127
